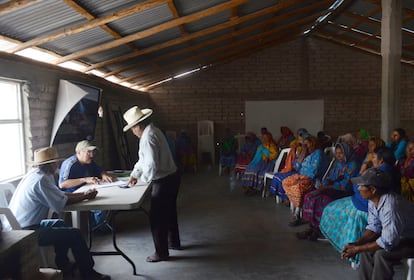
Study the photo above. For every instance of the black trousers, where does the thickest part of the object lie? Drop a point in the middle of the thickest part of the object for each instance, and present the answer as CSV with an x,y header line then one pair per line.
x,y
163,213
379,264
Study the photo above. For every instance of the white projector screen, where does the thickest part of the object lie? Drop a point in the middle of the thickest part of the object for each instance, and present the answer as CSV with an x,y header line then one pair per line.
x,y
294,114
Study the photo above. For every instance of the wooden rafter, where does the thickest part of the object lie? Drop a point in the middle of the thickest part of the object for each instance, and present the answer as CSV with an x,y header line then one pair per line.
x,y
153,30
278,7
14,5
91,24
260,38
243,31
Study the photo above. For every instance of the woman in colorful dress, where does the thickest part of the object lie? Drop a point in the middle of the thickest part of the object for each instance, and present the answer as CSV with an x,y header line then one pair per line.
x,y
374,142
247,152
263,161
292,164
286,137
398,143
344,220
297,185
337,184
361,144
406,167
228,150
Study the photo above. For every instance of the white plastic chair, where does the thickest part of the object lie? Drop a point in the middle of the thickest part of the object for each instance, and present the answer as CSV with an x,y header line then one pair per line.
x,y
205,138
269,175
6,192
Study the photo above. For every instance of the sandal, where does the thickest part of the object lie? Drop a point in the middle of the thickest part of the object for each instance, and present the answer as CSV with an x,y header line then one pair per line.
x,y
155,258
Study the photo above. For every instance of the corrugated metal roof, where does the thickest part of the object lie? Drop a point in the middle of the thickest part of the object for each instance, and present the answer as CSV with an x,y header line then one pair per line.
x,y
38,19
164,38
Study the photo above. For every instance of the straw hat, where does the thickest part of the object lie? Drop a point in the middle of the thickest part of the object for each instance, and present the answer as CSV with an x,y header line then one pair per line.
x,y
45,155
135,115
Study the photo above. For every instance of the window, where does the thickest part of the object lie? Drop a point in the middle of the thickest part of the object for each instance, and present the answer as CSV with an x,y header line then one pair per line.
x,y
12,159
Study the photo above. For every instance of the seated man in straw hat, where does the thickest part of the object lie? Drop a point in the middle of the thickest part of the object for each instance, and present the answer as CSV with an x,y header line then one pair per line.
x,y
156,165
34,196
80,169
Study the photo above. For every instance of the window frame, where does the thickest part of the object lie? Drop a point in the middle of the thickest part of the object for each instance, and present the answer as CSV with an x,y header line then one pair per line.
x,y
20,121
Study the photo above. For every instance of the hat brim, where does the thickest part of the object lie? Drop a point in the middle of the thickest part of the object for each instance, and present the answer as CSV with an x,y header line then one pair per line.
x,y
359,181
46,162
146,112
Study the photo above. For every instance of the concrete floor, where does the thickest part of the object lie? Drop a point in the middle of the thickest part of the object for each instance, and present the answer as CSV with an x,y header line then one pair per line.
x,y
225,235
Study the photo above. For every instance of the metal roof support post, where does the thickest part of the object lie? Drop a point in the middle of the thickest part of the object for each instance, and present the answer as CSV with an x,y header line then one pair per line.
x,y
391,66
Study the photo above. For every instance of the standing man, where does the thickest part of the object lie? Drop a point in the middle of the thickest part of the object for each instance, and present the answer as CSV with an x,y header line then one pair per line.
x,y
156,165
34,196
80,169
389,235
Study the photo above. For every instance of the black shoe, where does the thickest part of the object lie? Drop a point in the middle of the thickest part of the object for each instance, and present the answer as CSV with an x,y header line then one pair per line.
x,y
94,275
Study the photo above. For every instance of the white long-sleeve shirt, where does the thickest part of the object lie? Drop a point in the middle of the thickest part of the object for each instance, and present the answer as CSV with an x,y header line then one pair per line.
x,y
155,158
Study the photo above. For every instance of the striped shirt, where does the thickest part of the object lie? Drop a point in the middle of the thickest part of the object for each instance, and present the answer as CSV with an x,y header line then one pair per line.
x,y
393,219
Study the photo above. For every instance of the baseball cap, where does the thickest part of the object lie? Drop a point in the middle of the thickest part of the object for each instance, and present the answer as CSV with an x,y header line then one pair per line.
x,y
85,145
375,177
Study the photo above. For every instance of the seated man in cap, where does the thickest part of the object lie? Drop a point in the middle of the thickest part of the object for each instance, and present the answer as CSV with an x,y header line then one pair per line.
x,y
80,169
389,235
34,196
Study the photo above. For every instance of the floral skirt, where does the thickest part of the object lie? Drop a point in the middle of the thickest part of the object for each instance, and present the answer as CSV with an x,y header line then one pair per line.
x,y
315,201
296,186
342,223
276,187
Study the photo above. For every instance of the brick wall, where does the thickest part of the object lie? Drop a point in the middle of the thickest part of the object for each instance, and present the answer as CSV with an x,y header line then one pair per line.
x,y
40,87
348,80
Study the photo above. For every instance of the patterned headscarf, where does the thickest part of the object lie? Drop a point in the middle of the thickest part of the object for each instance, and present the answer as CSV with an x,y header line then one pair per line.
x,y
347,150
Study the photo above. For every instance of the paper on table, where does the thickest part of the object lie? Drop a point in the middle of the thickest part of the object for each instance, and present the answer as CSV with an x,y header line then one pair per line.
x,y
112,184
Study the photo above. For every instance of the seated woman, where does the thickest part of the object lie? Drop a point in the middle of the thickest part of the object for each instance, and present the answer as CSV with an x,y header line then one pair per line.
x,y
398,143
337,184
247,152
186,158
344,220
361,144
292,164
286,137
406,168
312,167
228,150
263,161
373,143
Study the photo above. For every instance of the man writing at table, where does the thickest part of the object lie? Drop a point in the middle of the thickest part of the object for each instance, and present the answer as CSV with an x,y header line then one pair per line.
x,y
389,235
34,196
156,165
80,169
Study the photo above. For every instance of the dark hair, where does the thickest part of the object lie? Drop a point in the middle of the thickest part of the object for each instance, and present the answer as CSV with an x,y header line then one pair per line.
x,y
401,132
386,154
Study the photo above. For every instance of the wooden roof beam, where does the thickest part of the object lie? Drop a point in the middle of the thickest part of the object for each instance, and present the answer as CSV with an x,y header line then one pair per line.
x,y
153,30
260,13
304,10
91,24
267,35
15,5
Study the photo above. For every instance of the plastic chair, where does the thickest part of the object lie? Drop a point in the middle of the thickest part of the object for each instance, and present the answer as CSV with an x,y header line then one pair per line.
x,y
205,137
6,192
330,151
269,175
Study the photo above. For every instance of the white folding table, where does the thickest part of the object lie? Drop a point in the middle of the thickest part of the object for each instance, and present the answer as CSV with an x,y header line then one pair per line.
x,y
112,198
